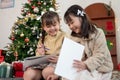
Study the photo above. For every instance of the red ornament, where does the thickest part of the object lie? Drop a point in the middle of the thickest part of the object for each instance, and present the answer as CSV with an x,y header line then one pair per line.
x,y
33,7
22,10
29,1
28,13
12,38
39,3
26,40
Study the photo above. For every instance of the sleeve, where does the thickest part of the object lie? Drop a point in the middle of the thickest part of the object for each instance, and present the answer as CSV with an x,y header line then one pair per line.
x,y
99,52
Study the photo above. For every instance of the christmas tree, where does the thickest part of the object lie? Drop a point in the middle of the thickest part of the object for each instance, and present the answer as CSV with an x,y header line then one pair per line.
x,y
26,31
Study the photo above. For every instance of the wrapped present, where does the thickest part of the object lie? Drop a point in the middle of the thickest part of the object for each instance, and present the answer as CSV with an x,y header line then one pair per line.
x,y
18,65
19,74
6,70
1,59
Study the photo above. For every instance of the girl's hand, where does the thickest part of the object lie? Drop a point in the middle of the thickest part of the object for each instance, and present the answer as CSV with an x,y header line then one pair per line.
x,y
79,65
53,59
41,49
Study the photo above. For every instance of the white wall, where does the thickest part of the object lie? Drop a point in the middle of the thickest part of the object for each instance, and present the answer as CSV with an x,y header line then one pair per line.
x,y
9,16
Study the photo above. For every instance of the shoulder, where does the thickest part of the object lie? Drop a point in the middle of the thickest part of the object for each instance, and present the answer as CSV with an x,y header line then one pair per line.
x,y
98,33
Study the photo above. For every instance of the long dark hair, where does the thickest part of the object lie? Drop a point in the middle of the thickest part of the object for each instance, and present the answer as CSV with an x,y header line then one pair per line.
x,y
48,18
86,27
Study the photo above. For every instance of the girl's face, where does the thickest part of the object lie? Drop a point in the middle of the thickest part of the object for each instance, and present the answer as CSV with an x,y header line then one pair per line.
x,y
52,29
75,24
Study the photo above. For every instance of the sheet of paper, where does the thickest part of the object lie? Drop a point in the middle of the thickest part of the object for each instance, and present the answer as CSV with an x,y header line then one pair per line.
x,y
70,50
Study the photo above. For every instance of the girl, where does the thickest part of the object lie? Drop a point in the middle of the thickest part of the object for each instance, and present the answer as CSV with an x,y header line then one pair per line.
x,y
96,63
50,43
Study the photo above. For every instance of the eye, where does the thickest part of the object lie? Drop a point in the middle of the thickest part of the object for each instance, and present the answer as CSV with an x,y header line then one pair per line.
x,y
48,26
54,24
71,22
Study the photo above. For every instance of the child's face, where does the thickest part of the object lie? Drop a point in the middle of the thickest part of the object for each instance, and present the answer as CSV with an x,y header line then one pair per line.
x,y
52,29
75,24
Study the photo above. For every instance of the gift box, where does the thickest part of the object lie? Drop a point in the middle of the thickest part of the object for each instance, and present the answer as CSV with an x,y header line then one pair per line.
x,y
6,70
18,69
1,59
18,65
19,74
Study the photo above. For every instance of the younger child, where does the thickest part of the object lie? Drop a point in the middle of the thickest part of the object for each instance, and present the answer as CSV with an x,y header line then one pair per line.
x,y
50,43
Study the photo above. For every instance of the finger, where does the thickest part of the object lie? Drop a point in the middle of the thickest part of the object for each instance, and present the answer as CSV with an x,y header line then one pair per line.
x,y
77,61
80,69
51,60
49,78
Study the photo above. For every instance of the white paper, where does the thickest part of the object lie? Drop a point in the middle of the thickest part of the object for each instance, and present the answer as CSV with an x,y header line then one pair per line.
x,y
70,50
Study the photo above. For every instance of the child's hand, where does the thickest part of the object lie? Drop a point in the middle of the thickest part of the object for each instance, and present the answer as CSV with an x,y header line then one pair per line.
x,y
53,59
41,49
79,65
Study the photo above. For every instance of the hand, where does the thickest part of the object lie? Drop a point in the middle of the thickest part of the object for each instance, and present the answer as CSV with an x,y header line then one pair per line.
x,y
52,77
41,49
79,65
53,59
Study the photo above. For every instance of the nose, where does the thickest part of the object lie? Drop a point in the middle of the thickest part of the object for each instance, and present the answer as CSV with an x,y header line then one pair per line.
x,y
70,26
52,27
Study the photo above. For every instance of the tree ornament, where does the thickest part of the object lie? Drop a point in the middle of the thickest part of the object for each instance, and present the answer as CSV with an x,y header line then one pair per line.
x,y
33,7
26,40
13,31
21,35
44,3
28,13
51,9
12,38
22,10
39,3
32,16
29,1
38,17
40,34
36,10
42,12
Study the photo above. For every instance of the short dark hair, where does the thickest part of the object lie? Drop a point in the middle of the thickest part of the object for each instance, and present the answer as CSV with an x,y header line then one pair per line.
x,y
86,27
